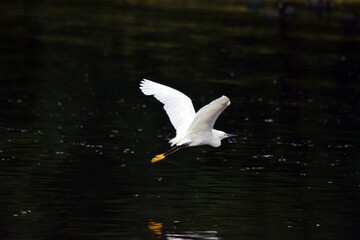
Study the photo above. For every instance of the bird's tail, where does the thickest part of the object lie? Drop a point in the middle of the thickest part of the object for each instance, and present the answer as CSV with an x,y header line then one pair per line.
x,y
179,141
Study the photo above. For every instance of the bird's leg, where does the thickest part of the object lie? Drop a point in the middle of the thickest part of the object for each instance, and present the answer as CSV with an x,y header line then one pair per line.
x,y
163,155
167,153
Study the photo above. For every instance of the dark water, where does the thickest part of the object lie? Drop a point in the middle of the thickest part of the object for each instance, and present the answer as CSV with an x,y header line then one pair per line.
x,y
77,135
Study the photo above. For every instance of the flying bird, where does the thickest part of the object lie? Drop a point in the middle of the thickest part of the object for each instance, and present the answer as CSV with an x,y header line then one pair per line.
x,y
192,128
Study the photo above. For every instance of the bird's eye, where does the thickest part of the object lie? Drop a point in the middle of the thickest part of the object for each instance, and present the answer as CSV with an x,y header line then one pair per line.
x,y
225,134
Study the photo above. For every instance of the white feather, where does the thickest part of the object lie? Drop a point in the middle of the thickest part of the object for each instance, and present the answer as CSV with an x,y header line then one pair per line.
x,y
201,130
177,105
192,128
205,118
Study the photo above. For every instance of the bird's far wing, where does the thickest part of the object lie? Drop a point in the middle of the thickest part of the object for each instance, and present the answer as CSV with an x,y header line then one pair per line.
x,y
177,105
205,118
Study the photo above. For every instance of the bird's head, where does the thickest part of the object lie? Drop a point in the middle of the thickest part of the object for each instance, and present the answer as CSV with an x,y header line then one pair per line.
x,y
221,135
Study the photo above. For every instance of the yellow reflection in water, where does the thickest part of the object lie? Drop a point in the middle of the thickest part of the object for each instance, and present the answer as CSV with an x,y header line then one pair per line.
x,y
155,227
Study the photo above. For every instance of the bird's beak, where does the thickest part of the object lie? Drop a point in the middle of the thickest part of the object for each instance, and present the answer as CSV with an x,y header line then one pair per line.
x,y
230,135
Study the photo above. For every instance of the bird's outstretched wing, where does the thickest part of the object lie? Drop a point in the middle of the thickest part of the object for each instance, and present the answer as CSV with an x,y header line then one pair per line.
x,y
205,118
177,105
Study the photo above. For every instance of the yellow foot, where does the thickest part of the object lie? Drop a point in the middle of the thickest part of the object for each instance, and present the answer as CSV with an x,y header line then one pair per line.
x,y
158,158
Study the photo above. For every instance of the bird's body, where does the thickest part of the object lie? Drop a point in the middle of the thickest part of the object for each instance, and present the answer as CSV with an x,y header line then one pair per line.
x,y
192,129
200,131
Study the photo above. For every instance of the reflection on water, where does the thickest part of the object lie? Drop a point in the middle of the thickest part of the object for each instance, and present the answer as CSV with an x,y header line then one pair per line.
x,y
155,227
193,235
173,234
77,134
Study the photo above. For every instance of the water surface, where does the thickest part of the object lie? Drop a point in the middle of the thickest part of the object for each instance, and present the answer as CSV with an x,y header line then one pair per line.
x,y
77,135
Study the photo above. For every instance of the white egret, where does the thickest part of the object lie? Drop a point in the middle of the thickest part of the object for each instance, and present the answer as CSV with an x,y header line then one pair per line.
x,y
192,129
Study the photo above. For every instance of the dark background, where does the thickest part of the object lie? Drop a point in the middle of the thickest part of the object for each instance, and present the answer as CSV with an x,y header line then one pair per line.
x,y
77,135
